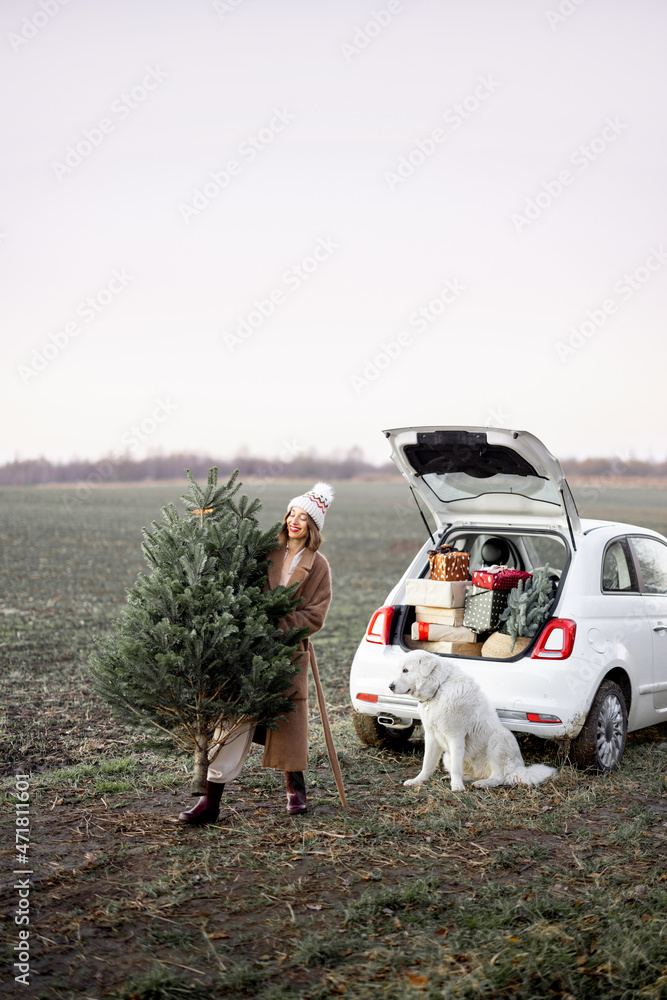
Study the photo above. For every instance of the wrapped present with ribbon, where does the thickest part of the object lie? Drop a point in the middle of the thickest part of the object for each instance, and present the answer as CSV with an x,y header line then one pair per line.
x,y
438,616
436,593
432,632
483,609
499,578
448,563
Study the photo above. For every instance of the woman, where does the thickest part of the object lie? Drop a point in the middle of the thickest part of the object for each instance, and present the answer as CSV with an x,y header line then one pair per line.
x,y
295,560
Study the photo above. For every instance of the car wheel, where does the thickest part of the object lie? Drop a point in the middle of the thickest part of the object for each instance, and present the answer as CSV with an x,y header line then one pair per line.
x,y
374,734
601,742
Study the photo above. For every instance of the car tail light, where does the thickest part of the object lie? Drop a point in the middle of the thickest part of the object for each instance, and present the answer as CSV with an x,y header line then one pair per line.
x,y
556,641
504,713
367,697
380,626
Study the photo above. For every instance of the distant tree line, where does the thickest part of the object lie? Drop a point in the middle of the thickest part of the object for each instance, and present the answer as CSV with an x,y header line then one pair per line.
x,y
633,467
125,469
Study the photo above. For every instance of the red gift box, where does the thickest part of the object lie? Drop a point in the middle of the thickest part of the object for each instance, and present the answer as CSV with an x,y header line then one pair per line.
x,y
499,578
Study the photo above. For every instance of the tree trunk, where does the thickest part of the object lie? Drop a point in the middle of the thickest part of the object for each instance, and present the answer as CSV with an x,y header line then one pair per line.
x,y
198,783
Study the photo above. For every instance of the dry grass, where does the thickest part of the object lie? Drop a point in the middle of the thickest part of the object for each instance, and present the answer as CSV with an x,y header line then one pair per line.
x,y
522,892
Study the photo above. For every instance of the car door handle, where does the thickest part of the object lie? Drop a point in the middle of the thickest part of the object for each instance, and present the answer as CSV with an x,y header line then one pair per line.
x,y
659,628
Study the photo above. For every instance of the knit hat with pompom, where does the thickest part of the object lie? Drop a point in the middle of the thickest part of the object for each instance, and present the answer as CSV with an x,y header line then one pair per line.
x,y
315,502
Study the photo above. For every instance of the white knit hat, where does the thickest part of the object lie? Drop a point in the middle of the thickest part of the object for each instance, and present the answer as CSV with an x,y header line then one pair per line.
x,y
315,502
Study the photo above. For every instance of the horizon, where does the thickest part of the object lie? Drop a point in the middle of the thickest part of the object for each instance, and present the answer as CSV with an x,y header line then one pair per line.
x,y
355,456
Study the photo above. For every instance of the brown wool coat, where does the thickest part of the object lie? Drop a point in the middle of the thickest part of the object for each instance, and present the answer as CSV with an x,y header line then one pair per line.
x,y
287,747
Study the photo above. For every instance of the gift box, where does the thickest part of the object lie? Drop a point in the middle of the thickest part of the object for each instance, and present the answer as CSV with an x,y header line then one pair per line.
x,y
439,616
453,648
436,593
431,632
483,609
499,578
447,563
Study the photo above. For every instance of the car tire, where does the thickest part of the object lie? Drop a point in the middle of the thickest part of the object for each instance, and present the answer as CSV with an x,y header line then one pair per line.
x,y
600,744
373,734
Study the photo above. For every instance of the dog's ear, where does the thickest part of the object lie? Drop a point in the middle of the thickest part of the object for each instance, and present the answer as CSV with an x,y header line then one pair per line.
x,y
427,664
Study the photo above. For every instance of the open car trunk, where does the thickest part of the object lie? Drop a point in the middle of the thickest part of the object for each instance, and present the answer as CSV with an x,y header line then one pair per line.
x,y
485,476
494,492
517,549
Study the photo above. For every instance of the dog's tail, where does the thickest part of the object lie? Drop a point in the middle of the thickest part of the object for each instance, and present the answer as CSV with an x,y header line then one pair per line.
x,y
533,775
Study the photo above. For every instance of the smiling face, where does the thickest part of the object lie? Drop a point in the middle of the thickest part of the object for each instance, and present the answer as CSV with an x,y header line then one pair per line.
x,y
297,524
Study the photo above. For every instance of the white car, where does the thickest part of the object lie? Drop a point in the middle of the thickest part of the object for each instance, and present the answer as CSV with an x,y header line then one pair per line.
x,y
598,668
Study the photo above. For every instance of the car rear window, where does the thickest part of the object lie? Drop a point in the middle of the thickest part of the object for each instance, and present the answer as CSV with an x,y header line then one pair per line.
x,y
545,549
652,557
453,486
514,550
618,573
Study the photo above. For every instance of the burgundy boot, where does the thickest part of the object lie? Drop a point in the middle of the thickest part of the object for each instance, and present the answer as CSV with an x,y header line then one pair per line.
x,y
296,792
208,807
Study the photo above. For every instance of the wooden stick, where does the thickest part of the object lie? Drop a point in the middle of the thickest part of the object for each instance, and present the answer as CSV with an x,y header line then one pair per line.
x,y
331,749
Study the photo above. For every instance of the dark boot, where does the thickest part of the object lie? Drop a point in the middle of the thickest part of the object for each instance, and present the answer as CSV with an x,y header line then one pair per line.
x,y
296,792
208,807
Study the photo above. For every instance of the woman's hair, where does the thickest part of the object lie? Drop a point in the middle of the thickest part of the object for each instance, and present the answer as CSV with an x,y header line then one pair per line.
x,y
314,539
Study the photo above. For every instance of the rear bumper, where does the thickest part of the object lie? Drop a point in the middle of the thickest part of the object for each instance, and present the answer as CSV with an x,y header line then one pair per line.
x,y
410,710
514,688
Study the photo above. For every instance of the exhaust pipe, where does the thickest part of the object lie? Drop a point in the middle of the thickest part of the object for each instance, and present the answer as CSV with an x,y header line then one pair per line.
x,y
392,722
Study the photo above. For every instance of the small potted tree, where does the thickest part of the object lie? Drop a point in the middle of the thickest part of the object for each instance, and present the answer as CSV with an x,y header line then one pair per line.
x,y
527,610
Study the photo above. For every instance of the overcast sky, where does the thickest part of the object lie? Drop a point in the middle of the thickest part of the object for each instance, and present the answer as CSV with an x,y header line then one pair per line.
x,y
283,225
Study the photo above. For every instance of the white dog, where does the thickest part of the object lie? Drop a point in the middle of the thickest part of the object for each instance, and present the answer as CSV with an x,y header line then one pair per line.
x,y
461,724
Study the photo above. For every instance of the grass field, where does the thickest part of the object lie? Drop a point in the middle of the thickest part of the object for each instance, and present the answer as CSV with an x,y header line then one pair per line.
x,y
514,893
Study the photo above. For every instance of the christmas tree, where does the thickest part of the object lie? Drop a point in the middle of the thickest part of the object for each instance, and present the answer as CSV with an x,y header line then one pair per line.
x,y
200,650
528,606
